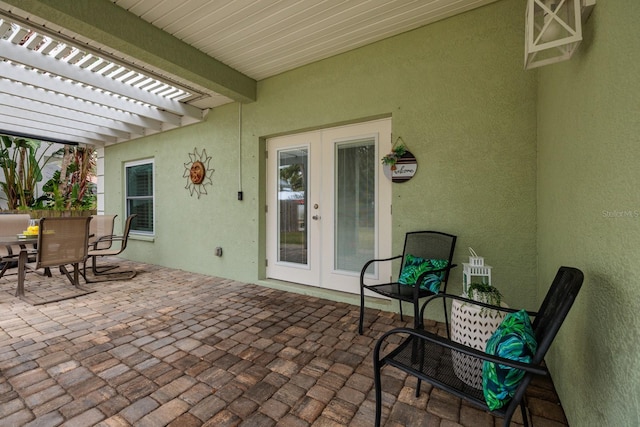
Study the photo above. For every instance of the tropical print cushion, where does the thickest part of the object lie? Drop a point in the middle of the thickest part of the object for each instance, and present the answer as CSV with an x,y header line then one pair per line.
x,y
513,340
414,266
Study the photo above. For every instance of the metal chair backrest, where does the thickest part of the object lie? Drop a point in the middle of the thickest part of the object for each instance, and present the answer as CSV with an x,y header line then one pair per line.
x,y
122,239
555,307
62,241
548,320
430,245
127,229
101,226
12,225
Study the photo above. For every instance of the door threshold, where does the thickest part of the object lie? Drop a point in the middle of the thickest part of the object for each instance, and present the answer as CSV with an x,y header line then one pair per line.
x,y
383,304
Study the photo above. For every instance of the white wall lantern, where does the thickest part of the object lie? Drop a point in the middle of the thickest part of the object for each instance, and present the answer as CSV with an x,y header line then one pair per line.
x,y
553,30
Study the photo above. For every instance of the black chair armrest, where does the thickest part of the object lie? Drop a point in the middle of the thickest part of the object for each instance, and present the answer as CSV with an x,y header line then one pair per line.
x,y
461,348
446,296
368,263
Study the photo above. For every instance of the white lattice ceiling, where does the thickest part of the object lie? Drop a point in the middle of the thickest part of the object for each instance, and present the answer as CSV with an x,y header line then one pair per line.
x,y
53,88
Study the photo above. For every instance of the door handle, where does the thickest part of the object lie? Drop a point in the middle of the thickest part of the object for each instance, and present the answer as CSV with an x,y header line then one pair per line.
x,y
315,217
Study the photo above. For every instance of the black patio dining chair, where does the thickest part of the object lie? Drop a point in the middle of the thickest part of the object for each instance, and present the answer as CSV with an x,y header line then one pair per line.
x,y
514,354
426,260
108,246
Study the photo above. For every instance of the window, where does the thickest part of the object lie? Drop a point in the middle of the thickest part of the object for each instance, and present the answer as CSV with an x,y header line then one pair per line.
x,y
139,195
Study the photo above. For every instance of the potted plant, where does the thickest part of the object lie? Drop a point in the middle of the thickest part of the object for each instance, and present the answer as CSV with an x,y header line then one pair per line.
x,y
396,153
484,292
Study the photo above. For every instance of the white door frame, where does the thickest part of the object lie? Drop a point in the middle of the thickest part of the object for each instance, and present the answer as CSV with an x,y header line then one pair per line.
x,y
321,148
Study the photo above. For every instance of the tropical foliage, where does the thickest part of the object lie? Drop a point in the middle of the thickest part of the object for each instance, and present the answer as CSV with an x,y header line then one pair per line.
x,y
294,176
22,168
22,162
72,186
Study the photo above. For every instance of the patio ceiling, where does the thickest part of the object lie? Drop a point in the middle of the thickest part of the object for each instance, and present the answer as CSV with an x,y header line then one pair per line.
x,y
106,71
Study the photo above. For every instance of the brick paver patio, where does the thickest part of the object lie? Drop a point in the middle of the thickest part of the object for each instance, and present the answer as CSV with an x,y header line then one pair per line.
x,y
182,349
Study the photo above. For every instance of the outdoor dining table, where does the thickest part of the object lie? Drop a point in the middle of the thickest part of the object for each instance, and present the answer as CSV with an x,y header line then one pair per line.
x,y
22,257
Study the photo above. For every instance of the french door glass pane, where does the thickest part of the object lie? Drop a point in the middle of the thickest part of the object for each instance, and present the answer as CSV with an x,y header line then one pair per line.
x,y
355,204
292,206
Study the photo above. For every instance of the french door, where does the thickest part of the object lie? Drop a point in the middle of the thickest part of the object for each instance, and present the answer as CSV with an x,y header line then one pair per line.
x,y
329,205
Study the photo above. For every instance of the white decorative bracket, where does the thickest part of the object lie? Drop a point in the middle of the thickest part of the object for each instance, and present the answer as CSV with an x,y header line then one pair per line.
x,y
553,30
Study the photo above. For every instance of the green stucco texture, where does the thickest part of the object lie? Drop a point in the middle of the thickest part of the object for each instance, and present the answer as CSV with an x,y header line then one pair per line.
x,y
533,169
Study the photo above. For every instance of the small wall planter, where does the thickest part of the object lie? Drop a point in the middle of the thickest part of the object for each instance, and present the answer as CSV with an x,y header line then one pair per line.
x,y
400,164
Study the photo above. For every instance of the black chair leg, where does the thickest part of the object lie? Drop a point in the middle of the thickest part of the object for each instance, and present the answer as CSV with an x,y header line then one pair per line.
x,y
360,325
446,317
523,409
418,352
378,387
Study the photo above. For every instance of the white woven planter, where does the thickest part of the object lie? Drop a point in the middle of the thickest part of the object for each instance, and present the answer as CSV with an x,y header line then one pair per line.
x,y
472,326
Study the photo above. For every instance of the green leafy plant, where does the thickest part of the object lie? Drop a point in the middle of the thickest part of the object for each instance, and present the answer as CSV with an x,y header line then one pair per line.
x,y
396,153
483,292
72,187
21,166
294,175
21,163
80,171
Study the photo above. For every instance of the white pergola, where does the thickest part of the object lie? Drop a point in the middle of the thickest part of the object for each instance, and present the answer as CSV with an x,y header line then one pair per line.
x,y
70,94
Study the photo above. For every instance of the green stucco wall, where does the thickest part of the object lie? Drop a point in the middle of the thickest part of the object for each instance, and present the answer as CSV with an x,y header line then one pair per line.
x,y
457,96
533,169
589,214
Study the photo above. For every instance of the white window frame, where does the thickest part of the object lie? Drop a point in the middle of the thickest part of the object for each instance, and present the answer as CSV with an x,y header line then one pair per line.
x,y
153,195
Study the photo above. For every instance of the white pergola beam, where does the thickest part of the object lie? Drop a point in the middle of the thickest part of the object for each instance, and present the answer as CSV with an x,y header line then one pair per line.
x,y
35,132
40,61
11,111
54,84
55,112
71,133
54,89
75,105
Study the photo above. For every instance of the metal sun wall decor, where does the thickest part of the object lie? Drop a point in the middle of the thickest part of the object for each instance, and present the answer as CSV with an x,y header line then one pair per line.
x,y
197,172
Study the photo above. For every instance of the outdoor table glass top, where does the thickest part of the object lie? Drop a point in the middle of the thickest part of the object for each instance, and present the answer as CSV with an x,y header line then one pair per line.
x,y
15,240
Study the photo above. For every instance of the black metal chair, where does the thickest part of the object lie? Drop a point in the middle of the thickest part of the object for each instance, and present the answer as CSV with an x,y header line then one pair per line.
x,y
428,245
432,358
